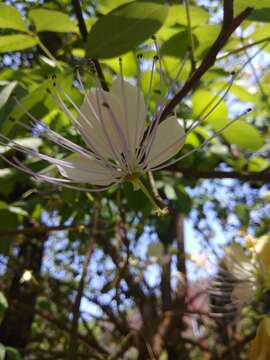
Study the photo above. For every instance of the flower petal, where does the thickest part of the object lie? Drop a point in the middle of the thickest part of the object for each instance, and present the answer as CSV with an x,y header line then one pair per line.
x,y
84,170
134,110
97,126
169,139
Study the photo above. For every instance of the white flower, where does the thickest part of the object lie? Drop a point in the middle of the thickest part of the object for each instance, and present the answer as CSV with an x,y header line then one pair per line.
x,y
113,125
249,268
119,144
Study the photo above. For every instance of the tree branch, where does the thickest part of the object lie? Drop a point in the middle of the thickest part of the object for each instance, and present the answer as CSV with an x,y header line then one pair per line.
x,y
83,30
228,12
229,26
219,174
73,345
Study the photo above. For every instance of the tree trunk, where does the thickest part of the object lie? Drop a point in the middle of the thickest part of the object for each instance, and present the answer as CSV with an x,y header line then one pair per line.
x,y
15,328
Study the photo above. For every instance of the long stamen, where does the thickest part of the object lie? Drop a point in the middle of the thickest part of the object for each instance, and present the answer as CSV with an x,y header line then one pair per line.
x,y
183,63
124,102
58,139
77,124
112,147
138,96
6,142
99,91
205,143
194,124
55,181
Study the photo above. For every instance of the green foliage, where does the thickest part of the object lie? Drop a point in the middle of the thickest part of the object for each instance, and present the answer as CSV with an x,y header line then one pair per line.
x,y
260,12
49,20
239,133
16,42
10,18
124,28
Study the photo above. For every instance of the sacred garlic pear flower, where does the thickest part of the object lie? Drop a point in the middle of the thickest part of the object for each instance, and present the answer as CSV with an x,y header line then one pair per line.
x,y
118,144
249,267
121,143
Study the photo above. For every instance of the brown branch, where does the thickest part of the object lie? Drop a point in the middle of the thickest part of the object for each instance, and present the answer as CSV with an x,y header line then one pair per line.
x,y
228,11
219,174
73,345
83,30
38,230
230,24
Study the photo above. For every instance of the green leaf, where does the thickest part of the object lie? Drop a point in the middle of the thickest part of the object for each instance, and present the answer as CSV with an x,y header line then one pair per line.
x,y
242,93
261,32
177,45
203,101
3,304
6,92
130,67
16,42
2,352
206,36
177,15
260,12
239,133
50,20
257,164
13,354
125,28
10,18
105,6
28,101
243,135
242,211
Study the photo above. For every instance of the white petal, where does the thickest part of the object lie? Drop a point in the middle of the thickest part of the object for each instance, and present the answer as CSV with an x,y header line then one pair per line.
x,y
96,118
133,106
169,139
85,170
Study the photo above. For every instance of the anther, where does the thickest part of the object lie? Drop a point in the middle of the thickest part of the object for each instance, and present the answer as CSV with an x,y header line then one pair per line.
x,y
139,56
157,91
54,83
106,105
154,38
249,110
120,60
156,58
233,73
53,76
48,90
12,119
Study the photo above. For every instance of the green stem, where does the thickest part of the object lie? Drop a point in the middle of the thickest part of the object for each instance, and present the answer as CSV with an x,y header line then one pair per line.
x,y
144,189
50,55
140,185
